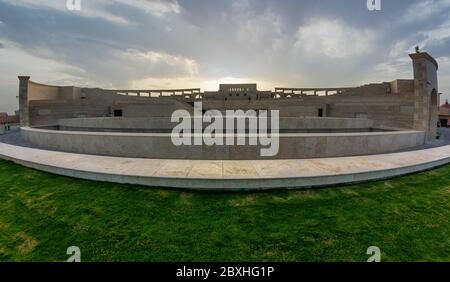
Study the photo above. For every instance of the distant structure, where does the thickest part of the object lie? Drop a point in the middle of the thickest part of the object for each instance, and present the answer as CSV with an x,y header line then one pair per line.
x,y
444,114
6,121
3,122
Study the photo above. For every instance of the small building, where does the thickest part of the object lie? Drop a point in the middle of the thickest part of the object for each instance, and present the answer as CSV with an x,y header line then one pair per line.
x,y
14,120
6,119
444,114
3,118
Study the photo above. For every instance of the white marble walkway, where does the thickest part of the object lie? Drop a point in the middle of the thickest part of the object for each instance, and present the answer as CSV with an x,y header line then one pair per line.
x,y
232,175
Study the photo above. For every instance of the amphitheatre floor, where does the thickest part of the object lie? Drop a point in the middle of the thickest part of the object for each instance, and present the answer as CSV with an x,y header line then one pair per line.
x,y
228,175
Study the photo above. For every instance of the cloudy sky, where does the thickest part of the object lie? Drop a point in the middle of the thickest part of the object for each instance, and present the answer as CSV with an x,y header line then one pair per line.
x,y
148,44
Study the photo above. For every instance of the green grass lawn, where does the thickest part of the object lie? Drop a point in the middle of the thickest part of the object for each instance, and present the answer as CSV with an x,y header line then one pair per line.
x,y
41,215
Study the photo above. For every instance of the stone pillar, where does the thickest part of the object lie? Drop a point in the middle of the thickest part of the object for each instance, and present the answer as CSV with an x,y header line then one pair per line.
x,y
425,88
23,101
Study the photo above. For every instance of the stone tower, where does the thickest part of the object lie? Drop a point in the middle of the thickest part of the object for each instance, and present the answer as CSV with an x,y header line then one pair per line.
x,y
425,94
23,100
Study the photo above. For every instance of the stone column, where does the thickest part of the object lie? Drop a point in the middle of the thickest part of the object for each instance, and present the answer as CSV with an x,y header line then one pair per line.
x,y
23,101
425,82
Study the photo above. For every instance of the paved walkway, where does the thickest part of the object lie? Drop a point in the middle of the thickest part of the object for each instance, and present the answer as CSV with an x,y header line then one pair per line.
x,y
228,175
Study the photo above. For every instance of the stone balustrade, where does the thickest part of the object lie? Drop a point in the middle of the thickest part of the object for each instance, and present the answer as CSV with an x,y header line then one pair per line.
x,y
281,92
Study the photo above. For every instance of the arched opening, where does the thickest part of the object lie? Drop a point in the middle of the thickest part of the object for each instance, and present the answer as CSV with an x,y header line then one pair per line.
x,y
433,117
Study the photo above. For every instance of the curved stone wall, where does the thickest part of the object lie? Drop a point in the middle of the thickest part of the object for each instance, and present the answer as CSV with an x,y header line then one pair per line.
x,y
164,124
159,145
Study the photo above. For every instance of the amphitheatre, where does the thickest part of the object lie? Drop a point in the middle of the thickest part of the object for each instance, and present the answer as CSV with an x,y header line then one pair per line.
x,y
327,136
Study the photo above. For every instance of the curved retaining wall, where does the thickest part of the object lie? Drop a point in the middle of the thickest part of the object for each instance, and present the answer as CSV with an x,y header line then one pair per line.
x,y
161,123
159,145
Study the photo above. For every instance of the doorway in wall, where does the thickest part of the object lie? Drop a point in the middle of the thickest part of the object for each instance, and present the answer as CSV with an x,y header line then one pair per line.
x,y
118,113
433,115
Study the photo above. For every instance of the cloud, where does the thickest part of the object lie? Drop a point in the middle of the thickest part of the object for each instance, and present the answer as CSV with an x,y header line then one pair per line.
x,y
175,44
90,9
444,77
2,46
240,5
154,7
420,11
15,61
437,35
334,39
19,62
263,30
160,64
255,30
195,82
101,8
424,10
400,48
394,69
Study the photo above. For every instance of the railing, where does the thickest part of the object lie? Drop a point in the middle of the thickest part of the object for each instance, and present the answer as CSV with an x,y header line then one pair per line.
x,y
297,92
195,93
186,93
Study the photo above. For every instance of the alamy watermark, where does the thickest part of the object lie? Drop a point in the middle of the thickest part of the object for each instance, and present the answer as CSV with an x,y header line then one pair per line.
x,y
73,5
374,5
229,130
375,254
75,254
